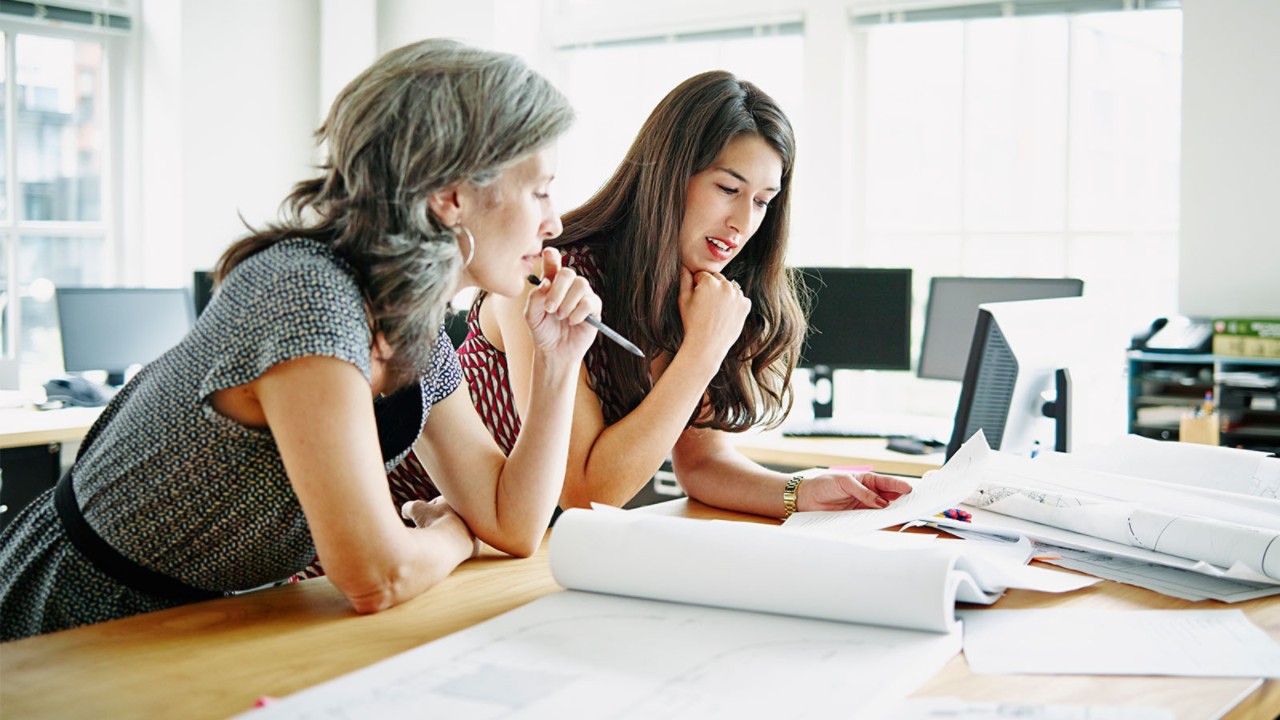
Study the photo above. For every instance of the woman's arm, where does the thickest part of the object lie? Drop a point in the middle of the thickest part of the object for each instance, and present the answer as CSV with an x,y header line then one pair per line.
x,y
319,412
508,501
712,471
611,464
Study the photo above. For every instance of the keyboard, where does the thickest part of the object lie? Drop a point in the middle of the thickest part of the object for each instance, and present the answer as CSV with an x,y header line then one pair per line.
x,y
929,430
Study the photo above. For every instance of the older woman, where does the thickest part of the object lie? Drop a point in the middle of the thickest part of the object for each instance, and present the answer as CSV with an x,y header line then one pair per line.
x,y
263,438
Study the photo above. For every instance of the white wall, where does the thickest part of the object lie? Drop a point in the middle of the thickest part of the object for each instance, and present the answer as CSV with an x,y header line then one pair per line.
x,y
230,96
232,91
1230,240
348,45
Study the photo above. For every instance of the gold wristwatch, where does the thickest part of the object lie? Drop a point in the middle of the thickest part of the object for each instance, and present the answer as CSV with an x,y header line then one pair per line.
x,y
789,495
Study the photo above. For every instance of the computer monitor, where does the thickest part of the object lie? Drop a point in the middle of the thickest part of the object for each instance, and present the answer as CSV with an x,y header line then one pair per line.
x,y
201,289
455,325
114,329
859,319
1041,375
952,311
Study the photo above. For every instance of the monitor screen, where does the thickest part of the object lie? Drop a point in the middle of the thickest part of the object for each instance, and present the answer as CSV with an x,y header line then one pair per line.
x,y
1041,375
953,310
201,288
114,329
859,319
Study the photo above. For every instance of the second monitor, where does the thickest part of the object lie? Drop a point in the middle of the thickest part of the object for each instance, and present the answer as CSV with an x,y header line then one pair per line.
x,y
859,319
114,329
952,313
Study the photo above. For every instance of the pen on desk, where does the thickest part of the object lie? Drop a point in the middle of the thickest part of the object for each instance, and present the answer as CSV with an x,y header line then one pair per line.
x,y
607,331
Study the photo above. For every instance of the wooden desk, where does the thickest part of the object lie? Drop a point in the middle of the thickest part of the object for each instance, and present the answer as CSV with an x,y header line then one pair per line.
x,y
31,451
23,427
213,659
773,448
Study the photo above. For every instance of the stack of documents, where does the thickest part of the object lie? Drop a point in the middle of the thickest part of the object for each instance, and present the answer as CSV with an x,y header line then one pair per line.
x,y
1191,521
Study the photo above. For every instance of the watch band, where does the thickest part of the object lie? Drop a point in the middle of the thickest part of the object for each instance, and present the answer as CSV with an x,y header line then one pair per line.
x,y
789,494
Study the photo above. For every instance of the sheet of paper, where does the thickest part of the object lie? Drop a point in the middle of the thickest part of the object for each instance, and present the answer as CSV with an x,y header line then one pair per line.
x,y
987,522
1217,542
754,567
1247,472
890,579
575,652
1066,641
1165,580
936,491
1175,582
1053,475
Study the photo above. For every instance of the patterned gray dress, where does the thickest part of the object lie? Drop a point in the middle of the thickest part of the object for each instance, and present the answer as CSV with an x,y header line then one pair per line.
x,y
182,490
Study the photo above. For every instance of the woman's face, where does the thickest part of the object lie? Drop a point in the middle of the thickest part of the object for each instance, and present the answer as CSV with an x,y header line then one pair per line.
x,y
726,203
509,221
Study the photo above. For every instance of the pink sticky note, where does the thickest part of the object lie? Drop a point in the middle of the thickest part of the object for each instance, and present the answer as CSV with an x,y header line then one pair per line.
x,y
850,468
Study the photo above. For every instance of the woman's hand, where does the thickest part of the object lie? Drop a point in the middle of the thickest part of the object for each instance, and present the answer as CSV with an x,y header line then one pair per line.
x,y
849,491
557,309
426,513
713,310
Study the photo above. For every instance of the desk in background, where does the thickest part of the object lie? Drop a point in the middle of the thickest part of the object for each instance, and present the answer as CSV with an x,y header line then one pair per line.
x,y
31,451
215,658
795,453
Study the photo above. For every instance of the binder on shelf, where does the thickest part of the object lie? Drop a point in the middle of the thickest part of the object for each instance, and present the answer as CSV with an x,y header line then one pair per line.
x,y
1247,337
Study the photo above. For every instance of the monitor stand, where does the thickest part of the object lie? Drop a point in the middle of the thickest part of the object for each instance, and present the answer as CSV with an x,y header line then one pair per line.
x,y
823,390
1060,409
115,378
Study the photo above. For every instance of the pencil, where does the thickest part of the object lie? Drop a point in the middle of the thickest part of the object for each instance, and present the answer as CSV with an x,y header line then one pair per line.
x,y
607,331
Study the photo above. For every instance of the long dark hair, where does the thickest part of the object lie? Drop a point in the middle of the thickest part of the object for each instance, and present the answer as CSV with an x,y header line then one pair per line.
x,y
423,117
633,224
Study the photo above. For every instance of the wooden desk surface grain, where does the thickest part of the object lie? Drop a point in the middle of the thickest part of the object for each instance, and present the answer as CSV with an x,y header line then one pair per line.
x,y
214,659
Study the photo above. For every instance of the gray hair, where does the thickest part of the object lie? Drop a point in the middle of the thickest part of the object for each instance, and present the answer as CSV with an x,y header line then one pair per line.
x,y
423,117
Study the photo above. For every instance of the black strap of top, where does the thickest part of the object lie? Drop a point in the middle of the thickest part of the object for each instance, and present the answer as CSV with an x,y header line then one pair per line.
x,y
110,561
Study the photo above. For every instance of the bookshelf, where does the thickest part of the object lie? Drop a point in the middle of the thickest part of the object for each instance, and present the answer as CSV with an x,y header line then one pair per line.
x,y
1246,391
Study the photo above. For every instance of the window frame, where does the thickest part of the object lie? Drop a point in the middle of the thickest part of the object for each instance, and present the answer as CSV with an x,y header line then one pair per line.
x,y
119,50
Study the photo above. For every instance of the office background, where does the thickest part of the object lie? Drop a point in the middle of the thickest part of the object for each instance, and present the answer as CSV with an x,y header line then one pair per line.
x,y
213,105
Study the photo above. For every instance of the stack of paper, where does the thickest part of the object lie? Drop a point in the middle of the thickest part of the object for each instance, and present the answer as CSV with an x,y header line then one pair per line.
x,y
1194,522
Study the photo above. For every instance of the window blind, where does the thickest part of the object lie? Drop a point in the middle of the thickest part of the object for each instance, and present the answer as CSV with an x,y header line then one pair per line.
x,y
887,14
105,15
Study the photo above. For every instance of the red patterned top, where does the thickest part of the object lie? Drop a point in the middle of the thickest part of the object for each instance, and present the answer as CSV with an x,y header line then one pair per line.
x,y
484,367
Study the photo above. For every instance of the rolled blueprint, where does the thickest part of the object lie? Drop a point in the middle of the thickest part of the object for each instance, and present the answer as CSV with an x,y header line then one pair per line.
x,y
1216,542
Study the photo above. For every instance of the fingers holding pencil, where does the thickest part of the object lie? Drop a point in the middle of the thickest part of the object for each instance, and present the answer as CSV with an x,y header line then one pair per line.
x,y
552,268
568,296
557,309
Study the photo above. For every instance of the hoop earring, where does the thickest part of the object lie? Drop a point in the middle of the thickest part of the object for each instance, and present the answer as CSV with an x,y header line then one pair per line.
x,y
471,242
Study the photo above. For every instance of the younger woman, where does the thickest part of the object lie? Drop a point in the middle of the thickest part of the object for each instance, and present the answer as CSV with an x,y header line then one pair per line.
x,y
686,244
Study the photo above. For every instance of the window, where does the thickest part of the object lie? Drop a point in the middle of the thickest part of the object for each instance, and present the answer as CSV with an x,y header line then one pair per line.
x,y
614,85
56,150
1039,146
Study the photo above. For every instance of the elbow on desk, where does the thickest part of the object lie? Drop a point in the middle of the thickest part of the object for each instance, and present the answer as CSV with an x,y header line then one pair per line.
x,y
519,537
370,594
583,494
370,602
522,550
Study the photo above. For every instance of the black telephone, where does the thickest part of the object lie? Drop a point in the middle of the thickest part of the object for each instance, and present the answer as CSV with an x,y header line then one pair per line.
x,y
76,391
1177,335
